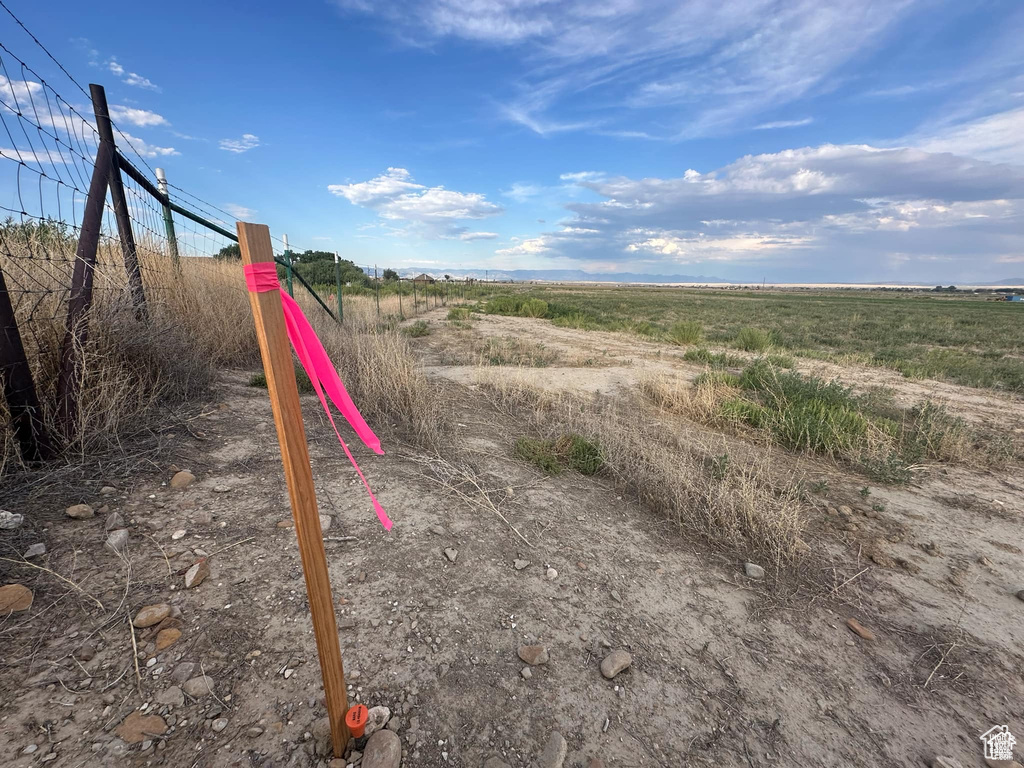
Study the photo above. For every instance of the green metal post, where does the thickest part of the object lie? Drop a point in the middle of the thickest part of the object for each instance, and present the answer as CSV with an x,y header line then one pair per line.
x,y
337,281
376,291
401,312
288,269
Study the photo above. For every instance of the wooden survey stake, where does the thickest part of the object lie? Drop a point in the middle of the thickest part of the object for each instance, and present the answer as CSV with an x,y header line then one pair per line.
x,y
254,240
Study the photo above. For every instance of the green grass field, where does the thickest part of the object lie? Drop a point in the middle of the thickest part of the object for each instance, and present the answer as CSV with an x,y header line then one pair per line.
x,y
961,339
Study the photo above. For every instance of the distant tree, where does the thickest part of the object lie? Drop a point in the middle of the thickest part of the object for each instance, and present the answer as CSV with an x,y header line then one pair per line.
x,y
229,252
447,277
390,274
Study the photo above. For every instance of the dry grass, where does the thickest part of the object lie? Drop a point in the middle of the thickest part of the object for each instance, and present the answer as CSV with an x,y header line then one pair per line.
x,y
747,505
199,321
497,350
700,401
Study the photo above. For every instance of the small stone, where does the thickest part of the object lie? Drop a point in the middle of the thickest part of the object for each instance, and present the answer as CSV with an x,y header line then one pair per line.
x,y
80,511
29,749
255,732
383,750
551,574
197,574
117,541
178,534
49,758
451,554
36,550
85,653
183,672
151,614
845,511
9,521
376,718
286,524
221,488
753,571
1020,595
172,697
533,654
857,628
325,522
220,724
438,530
182,479
114,522
614,663
554,752
526,673
106,490
616,597
198,687
15,598
165,638
520,564
137,727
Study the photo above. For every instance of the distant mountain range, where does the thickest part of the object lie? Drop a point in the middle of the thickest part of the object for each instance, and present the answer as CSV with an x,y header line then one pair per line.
x,y
561,276
580,276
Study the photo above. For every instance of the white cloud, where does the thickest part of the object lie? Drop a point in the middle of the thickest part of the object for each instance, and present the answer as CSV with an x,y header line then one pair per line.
x,y
853,212
997,137
40,157
433,211
716,64
241,212
784,124
130,78
244,144
142,118
146,149
521,192
14,92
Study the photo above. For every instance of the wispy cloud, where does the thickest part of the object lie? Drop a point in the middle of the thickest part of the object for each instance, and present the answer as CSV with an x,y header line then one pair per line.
x,y
712,66
784,124
431,211
130,78
238,146
241,212
146,149
142,118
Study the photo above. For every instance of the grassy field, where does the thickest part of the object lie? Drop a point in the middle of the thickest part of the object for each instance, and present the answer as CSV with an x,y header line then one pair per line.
x,y
965,340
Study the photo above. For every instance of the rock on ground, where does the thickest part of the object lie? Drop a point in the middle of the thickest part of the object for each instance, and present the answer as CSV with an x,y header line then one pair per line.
x,y
325,522
14,598
383,750
165,638
451,554
138,727
36,550
197,574
753,571
182,479
615,662
859,629
173,697
554,752
9,520
520,564
376,718
533,654
151,614
114,521
197,687
79,511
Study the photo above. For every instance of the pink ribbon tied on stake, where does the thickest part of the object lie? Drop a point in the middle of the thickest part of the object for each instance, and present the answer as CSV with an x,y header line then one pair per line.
x,y
262,278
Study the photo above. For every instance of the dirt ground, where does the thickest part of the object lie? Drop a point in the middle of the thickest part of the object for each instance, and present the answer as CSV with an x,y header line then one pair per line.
x,y
726,670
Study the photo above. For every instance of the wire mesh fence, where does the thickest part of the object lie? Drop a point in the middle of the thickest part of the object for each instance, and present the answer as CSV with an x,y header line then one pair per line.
x,y
102,260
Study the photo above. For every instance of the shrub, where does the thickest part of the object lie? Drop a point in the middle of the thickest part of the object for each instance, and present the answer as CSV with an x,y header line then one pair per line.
x,y
712,359
580,454
533,308
752,339
501,305
417,329
301,380
686,332
540,453
459,313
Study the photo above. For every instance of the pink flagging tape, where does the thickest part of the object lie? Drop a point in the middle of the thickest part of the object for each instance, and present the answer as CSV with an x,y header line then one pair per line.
x,y
261,278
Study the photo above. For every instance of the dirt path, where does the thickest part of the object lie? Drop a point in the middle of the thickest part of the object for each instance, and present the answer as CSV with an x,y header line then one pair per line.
x,y
726,671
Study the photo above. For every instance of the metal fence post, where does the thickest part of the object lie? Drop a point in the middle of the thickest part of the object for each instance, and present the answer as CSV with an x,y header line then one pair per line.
x,y
376,290
415,301
401,312
337,280
288,269
172,240
19,389
77,329
124,222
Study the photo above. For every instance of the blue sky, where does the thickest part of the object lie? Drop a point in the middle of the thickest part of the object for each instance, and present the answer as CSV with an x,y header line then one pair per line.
x,y
800,140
